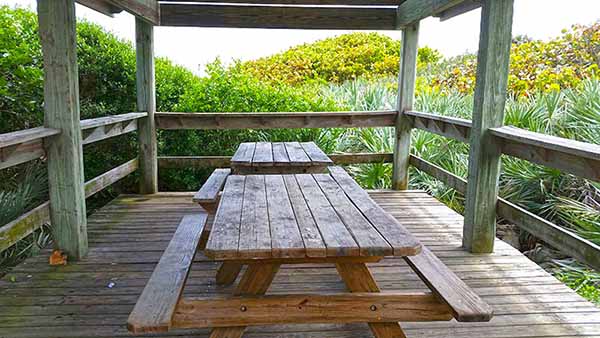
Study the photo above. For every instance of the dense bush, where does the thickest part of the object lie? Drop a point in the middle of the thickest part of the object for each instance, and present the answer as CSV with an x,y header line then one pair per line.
x,y
336,59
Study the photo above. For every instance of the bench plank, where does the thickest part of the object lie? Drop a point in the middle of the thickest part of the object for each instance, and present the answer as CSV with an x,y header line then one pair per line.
x,y
263,155
315,153
315,247
403,242
154,309
466,305
368,238
209,192
297,154
337,238
244,154
225,231
286,240
280,156
255,236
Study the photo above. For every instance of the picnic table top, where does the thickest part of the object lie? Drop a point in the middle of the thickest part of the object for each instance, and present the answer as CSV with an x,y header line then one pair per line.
x,y
303,215
269,154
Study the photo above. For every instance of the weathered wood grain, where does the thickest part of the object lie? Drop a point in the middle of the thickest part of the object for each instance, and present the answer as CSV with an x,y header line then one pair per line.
x,y
147,10
61,108
263,155
488,112
412,11
286,17
146,101
297,154
280,155
315,153
406,94
306,2
451,127
101,6
255,233
107,179
314,308
154,310
275,120
209,192
244,154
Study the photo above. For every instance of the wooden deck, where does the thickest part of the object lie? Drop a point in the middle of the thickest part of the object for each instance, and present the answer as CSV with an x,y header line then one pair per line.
x,y
93,297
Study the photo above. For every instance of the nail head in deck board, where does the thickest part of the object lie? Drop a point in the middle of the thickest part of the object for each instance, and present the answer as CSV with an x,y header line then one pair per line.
x,y
154,309
209,191
315,153
338,240
466,305
286,17
369,240
403,242
255,235
280,156
308,229
296,154
263,155
244,154
286,240
225,230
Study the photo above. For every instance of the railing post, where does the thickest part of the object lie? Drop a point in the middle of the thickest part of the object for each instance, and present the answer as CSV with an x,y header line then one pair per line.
x,y
406,95
61,108
488,112
146,102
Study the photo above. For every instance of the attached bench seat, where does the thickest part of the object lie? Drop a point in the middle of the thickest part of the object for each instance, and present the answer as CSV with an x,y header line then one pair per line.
x,y
465,304
209,194
155,307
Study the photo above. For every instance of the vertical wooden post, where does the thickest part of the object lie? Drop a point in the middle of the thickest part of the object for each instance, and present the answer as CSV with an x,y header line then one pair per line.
x,y
61,107
488,112
146,102
406,95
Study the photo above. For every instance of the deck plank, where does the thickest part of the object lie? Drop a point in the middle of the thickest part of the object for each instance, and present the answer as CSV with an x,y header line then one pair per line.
x,y
128,236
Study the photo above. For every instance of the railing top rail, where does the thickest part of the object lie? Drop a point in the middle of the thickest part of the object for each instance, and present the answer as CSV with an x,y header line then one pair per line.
x,y
106,120
26,135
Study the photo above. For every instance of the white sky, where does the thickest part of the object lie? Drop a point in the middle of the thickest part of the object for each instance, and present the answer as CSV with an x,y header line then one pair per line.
x,y
195,47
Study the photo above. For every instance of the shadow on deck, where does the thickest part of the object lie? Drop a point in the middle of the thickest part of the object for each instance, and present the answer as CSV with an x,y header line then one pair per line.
x,y
93,297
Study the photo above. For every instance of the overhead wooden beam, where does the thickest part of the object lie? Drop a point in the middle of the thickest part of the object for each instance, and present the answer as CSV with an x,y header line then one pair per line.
x,y
412,11
101,6
61,111
464,7
275,120
406,95
393,3
495,39
146,102
285,17
147,10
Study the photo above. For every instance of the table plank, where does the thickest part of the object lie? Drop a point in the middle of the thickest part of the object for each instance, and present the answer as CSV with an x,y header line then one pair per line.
x,y
403,242
296,154
263,155
244,154
337,238
315,247
280,156
317,156
225,233
286,240
255,235
368,238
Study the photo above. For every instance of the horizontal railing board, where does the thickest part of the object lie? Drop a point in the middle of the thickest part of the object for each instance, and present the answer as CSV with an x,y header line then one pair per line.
x,y
225,161
30,221
111,119
451,127
165,120
279,17
564,240
575,157
27,135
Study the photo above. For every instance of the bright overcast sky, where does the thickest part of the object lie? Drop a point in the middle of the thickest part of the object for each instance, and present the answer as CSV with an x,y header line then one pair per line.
x,y
195,47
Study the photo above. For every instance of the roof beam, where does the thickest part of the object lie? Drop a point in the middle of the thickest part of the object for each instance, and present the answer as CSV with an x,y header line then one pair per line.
x,y
393,3
464,7
101,6
144,9
289,17
412,11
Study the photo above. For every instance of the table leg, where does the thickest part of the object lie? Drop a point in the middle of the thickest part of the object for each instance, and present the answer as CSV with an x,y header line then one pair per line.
x,y
358,278
255,281
228,272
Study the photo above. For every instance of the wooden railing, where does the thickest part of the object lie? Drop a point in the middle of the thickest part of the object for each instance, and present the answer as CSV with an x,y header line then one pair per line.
x,y
27,145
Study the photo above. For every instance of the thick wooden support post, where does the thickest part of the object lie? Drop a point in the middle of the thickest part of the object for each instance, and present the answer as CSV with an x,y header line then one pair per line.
x,y
146,102
358,278
488,112
228,272
61,107
406,94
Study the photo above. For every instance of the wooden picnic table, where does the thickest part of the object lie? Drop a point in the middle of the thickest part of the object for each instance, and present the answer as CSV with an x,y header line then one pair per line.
x,y
264,221
279,158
